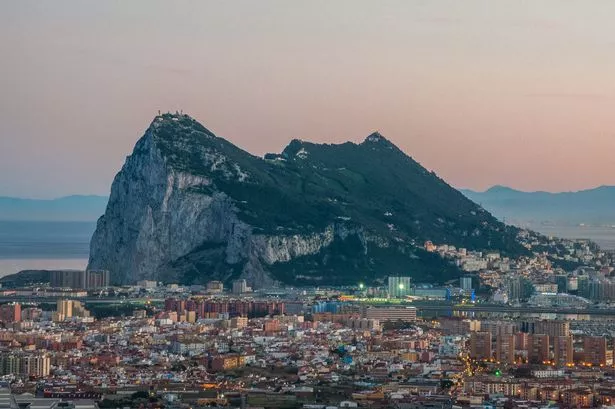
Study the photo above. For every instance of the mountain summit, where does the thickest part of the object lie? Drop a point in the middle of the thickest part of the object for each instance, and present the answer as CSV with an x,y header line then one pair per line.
x,y
188,206
377,138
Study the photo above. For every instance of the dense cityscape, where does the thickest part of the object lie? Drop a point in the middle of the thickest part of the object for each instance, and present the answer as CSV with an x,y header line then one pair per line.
x,y
400,204
529,332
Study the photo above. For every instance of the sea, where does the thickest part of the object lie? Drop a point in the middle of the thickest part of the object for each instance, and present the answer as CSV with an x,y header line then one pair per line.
x,y
44,245
603,235
65,245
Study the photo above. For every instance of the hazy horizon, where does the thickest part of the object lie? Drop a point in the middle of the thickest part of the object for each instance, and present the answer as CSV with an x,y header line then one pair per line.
x,y
460,188
483,93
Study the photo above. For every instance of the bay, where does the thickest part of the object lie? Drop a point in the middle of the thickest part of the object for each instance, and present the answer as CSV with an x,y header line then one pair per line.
x,y
44,245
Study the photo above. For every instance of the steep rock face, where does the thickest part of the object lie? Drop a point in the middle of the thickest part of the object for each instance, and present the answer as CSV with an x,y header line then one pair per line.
x,y
188,206
158,212
154,216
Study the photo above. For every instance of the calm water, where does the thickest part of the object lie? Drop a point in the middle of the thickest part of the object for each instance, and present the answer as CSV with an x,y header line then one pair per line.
x,y
44,245
604,236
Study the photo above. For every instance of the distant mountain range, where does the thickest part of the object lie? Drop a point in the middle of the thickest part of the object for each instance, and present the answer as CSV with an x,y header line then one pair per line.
x,y
592,206
69,208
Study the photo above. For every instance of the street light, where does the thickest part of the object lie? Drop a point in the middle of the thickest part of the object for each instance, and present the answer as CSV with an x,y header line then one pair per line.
x,y
361,286
401,286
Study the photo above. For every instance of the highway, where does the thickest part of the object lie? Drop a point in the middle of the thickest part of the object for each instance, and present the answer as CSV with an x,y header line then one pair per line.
x,y
444,309
425,310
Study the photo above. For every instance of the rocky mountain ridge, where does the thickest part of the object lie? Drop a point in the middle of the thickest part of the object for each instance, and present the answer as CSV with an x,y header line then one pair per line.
x,y
189,206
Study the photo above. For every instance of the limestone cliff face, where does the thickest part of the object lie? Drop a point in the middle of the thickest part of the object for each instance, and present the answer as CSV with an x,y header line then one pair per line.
x,y
158,213
189,207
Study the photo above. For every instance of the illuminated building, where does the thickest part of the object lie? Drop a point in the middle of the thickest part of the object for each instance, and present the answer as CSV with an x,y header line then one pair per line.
x,y
399,287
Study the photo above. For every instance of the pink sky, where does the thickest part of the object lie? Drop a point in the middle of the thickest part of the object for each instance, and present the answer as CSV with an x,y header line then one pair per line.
x,y
519,93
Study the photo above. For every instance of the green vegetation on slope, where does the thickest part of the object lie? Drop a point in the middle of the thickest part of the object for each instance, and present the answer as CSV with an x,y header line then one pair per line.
x,y
309,186
345,263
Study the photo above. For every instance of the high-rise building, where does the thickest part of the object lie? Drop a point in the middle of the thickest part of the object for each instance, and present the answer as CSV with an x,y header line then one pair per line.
x,y
67,278
31,314
79,279
595,351
563,351
399,287
96,279
601,289
458,326
538,348
362,323
38,365
583,285
465,282
35,365
562,283
216,286
480,345
499,327
522,342
240,286
553,328
79,310
519,289
9,364
10,313
66,309
505,348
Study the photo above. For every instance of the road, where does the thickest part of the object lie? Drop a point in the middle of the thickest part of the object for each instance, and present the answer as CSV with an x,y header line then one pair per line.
x,y
450,309
442,309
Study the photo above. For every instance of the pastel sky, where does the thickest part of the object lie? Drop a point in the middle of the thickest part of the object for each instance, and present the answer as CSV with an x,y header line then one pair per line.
x,y
519,92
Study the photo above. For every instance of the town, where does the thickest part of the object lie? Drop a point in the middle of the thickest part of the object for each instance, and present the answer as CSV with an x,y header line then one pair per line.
x,y
528,332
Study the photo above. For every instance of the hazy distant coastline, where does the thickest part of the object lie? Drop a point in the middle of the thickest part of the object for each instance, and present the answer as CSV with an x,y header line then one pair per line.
x,y
43,245
590,207
604,235
47,233
586,214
